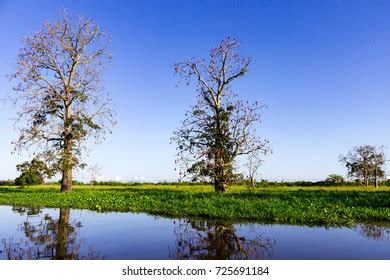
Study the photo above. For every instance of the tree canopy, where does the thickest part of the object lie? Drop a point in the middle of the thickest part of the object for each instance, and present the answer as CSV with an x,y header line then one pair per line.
x,y
220,127
365,163
32,173
59,95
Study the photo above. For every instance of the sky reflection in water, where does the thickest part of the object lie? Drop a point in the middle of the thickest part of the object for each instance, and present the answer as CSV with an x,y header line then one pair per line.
x,y
40,233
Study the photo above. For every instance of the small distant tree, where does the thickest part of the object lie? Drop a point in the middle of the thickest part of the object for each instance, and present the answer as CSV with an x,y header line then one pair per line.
x,y
335,179
220,127
60,99
95,171
254,163
365,163
378,162
32,173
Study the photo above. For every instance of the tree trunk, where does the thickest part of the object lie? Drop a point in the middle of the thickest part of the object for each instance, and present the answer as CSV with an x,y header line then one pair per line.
x,y
219,186
253,183
376,178
67,160
67,174
365,180
220,177
66,182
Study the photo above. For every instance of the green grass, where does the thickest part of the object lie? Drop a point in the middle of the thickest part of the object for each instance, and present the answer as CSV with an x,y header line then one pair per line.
x,y
291,205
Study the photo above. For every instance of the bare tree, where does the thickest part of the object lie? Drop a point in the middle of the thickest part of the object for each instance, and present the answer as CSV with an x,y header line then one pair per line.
x,y
219,128
59,95
378,162
95,170
253,164
365,163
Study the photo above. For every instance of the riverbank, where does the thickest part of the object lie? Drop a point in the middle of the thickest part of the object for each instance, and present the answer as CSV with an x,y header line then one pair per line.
x,y
289,205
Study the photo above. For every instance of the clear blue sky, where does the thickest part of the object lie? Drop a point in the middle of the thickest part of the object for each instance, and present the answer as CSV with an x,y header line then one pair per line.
x,y
322,67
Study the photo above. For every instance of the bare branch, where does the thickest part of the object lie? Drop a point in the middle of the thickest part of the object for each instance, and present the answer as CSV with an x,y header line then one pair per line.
x,y
219,128
61,102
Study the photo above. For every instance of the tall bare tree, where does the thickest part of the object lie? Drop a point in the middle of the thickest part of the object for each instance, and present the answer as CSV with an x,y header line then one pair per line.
x,y
59,95
219,128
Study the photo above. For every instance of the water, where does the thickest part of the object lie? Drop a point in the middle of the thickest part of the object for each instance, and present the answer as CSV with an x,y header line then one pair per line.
x,y
40,233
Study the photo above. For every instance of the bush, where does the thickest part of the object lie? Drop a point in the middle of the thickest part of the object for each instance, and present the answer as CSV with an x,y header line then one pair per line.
x,y
32,173
7,182
164,183
335,179
28,179
326,183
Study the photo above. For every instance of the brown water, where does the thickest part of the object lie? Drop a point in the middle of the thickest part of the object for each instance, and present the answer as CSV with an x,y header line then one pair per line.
x,y
41,233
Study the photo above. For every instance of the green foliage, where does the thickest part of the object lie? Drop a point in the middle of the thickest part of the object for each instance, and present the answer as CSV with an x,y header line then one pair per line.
x,y
365,163
28,179
125,184
32,173
115,183
293,205
75,182
325,183
7,183
386,183
335,179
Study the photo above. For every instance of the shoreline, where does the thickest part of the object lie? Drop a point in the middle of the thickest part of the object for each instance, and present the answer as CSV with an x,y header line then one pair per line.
x,y
336,206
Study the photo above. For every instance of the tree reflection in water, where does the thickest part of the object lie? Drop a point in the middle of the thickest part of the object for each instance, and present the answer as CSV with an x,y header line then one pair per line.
x,y
204,240
374,232
48,238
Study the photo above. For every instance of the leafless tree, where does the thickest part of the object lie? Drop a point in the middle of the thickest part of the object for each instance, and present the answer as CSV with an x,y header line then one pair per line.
x,y
378,161
219,128
95,170
253,164
59,94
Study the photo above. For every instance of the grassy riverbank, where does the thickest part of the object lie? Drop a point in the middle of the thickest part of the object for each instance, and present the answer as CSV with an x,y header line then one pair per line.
x,y
293,205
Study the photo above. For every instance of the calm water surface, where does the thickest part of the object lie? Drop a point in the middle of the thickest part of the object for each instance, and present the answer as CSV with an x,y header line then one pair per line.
x,y
40,233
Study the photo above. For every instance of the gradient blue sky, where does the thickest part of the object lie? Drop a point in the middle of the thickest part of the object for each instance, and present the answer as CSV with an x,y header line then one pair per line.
x,y
321,67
